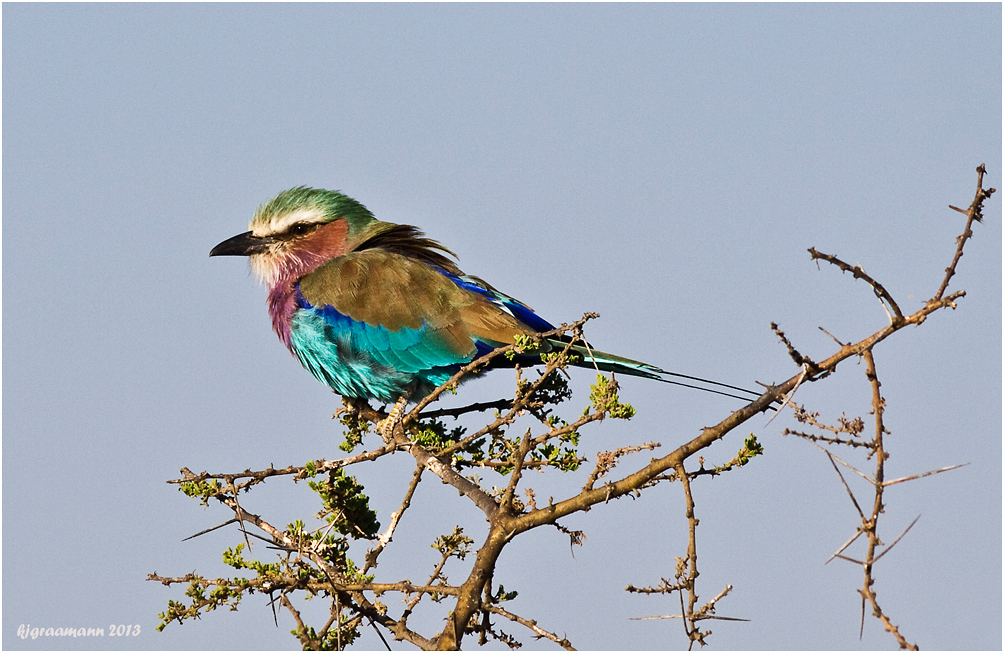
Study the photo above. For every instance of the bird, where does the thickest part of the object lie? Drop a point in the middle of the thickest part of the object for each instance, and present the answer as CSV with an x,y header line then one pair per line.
x,y
376,310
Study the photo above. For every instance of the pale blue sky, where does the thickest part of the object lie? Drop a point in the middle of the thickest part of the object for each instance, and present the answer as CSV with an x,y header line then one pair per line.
x,y
664,165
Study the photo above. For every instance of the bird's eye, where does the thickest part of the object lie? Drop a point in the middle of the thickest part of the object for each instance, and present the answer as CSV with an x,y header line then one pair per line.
x,y
301,229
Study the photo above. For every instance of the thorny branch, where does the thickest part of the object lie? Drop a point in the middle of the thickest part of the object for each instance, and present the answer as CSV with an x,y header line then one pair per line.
x,y
532,625
973,213
693,634
859,273
315,561
877,448
385,538
869,526
607,460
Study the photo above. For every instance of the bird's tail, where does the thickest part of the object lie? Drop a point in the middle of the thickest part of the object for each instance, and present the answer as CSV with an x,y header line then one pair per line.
x,y
613,363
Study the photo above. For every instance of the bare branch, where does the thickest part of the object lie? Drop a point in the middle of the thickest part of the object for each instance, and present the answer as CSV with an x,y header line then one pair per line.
x,y
532,625
973,213
859,273
385,538
497,405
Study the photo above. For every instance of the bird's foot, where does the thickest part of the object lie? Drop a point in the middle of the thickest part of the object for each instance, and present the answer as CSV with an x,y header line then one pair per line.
x,y
386,426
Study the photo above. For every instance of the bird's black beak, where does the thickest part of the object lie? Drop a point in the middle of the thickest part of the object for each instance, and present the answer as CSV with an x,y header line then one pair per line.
x,y
242,245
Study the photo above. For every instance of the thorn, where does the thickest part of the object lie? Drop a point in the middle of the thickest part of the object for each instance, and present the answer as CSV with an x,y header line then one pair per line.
x,y
833,336
896,541
802,376
861,621
206,531
831,457
858,532
924,474
848,558
847,465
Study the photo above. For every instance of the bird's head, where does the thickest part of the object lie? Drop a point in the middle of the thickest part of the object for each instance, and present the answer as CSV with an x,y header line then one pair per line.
x,y
298,230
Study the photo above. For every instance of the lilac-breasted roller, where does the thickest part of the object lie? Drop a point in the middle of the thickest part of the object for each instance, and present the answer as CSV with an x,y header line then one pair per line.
x,y
375,309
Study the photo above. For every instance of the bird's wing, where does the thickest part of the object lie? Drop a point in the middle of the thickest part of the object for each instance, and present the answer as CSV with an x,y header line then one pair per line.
x,y
407,309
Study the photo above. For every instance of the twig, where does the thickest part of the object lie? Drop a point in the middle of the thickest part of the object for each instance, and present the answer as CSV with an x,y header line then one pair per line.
x,y
521,401
302,633
385,538
800,359
825,439
706,612
517,458
859,273
972,213
692,557
855,426
607,460
532,625
460,411
437,569
299,472
788,398
426,459
484,360
869,526
677,616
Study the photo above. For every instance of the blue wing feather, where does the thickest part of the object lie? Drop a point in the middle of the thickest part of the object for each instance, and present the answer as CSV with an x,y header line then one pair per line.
x,y
361,360
358,359
514,307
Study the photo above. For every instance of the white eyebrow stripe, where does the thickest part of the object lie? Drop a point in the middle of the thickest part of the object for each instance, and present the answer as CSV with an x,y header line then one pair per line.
x,y
279,224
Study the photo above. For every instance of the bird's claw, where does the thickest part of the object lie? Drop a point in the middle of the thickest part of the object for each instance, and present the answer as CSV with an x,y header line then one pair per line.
x,y
387,426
